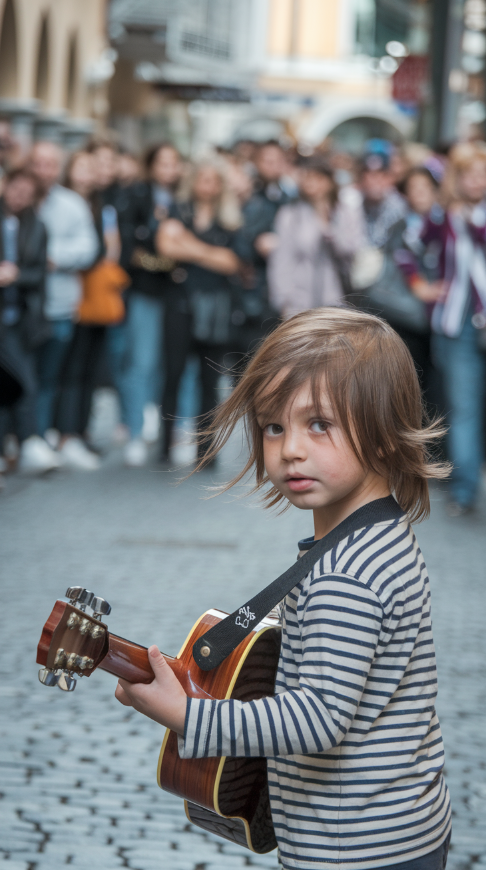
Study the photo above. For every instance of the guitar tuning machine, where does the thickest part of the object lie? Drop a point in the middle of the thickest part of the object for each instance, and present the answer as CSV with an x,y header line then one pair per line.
x,y
62,679
48,677
82,598
79,597
100,607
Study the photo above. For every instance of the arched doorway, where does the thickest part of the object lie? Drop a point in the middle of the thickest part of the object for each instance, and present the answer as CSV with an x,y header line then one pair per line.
x,y
72,74
41,89
8,52
351,135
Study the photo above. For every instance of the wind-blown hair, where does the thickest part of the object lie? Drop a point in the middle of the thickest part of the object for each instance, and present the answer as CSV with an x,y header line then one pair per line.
x,y
371,382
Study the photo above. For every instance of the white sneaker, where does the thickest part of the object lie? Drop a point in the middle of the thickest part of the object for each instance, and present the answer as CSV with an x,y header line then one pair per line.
x,y
120,434
151,423
36,456
53,438
75,454
135,454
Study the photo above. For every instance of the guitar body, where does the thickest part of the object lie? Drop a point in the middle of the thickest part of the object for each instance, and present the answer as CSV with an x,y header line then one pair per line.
x,y
227,796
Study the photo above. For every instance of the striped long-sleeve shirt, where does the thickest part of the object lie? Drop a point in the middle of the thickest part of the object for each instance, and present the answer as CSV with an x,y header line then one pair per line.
x,y
353,742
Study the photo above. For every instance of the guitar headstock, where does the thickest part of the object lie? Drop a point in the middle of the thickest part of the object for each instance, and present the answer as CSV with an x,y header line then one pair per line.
x,y
73,642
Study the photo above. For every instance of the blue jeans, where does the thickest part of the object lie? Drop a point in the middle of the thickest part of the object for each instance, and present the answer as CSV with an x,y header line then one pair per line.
x,y
50,360
116,346
143,355
435,860
463,370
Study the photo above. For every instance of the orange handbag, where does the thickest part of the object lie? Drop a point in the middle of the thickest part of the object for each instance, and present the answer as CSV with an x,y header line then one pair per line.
x,y
102,303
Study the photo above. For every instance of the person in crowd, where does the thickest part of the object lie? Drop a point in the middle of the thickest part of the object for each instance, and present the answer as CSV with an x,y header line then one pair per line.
x,y
201,236
128,169
150,203
8,151
112,196
421,191
22,325
239,179
83,358
458,316
257,239
105,170
383,206
317,237
72,245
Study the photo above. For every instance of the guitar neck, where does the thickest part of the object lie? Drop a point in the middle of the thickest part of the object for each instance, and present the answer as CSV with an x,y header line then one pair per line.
x,y
129,661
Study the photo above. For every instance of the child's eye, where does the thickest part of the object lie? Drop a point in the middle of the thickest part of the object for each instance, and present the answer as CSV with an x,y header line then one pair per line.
x,y
319,426
273,429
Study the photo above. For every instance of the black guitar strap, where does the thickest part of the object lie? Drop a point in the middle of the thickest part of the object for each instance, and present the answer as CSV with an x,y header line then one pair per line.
x,y
213,647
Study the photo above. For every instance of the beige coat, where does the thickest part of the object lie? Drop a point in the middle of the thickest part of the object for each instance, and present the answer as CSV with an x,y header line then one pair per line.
x,y
305,269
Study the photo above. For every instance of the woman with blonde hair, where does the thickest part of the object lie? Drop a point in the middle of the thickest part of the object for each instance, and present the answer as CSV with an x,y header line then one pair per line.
x,y
201,237
457,305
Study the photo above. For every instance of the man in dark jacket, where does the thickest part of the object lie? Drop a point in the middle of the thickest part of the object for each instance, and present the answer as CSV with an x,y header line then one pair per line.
x,y
256,239
22,324
150,202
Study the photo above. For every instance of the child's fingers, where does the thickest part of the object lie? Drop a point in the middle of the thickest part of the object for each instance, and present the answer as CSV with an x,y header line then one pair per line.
x,y
122,696
157,662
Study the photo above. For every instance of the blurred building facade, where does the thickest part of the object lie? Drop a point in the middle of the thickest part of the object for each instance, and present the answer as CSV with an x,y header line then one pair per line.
x,y
212,71
54,64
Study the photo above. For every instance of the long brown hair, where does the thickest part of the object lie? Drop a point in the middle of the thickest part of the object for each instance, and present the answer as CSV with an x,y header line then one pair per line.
x,y
373,388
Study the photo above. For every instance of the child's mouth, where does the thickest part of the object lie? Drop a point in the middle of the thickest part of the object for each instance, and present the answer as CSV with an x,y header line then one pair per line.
x,y
299,484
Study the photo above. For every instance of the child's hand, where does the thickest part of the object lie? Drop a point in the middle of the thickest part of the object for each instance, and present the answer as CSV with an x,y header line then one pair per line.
x,y
164,700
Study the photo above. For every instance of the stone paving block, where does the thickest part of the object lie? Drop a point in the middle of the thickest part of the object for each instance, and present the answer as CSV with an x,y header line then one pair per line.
x,y
268,860
13,843
229,861
147,850
162,863
15,865
28,856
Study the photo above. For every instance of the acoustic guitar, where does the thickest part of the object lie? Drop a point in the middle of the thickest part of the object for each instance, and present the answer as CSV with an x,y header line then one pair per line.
x,y
226,796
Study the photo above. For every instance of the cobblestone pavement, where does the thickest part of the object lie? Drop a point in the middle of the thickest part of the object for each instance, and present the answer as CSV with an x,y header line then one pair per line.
x,y
77,771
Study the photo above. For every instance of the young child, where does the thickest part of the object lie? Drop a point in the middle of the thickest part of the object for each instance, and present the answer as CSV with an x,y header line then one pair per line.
x,y
333,417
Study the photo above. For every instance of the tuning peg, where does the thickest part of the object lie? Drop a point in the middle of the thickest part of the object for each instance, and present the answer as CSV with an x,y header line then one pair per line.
x,y
66,682
48,677
79,597
100,607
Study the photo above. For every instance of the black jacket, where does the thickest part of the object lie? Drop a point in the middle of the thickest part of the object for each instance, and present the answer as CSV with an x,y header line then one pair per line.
x,y
259,215
31,261
138,228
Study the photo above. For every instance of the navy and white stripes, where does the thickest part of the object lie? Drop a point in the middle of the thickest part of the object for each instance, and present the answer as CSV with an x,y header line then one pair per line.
x,y
353,743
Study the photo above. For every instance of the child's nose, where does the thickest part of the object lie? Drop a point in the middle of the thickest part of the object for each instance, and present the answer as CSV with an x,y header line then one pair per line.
x,y
293,446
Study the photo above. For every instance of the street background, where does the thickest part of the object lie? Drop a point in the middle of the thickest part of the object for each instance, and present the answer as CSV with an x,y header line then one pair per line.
x,y
78,771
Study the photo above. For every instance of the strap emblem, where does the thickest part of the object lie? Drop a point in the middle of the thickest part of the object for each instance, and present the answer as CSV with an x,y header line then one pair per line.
x,y
248,617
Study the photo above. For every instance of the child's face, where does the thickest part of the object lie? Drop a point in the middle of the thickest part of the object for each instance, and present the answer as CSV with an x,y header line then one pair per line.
x,y
310,461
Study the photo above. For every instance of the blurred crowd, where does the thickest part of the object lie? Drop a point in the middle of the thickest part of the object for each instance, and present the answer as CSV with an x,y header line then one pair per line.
x,y
156,276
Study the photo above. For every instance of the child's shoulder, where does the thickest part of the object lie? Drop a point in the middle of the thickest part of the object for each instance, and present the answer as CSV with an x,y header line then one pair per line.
x,y
383,557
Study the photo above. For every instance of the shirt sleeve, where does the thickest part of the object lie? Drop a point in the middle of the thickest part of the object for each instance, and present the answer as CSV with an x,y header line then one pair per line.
x,y
339,631
77,245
